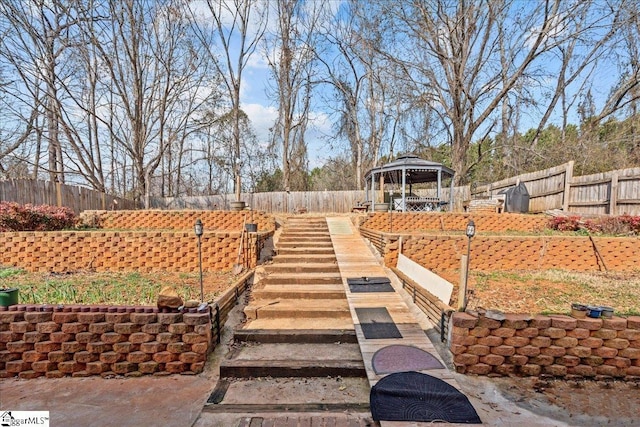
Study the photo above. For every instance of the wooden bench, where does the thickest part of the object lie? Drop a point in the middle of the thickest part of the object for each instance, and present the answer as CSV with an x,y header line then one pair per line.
x,y
360,207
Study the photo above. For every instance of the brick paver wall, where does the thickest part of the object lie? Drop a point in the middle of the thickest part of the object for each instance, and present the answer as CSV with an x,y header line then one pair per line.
x,y
85,341
490,253
433,221
180,220
145,251
556,345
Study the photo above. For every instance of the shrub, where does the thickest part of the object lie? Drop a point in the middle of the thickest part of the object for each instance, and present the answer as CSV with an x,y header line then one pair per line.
x,y
617,225
633,222
16,217
568,223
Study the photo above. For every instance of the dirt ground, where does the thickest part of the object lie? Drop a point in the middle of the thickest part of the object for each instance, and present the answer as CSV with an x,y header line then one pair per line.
x,y
546,292
580,403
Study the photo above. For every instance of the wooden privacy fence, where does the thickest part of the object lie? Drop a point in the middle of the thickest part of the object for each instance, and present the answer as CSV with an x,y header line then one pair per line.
x,y
614,193
293,201
280,201
546,188
78,199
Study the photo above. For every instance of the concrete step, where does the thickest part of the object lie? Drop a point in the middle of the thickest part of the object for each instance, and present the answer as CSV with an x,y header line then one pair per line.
x,y
306,251
305,227
305,233
319,220
304,239
318,237
298,309
302,268
272,292
313,278
291,368
251,360
303,245
301,323
307,258
282,395
296,336
267,352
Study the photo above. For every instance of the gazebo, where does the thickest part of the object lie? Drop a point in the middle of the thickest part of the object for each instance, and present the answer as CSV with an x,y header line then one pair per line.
x,y
406,171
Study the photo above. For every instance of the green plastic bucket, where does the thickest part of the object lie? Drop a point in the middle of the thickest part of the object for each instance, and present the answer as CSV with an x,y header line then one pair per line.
x,y
8,297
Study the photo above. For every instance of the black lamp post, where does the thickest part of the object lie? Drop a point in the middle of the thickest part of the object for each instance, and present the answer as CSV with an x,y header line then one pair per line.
x,y
470,232
198,228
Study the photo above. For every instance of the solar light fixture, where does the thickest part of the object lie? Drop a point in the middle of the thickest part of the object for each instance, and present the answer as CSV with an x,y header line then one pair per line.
x,y
198,229
471,229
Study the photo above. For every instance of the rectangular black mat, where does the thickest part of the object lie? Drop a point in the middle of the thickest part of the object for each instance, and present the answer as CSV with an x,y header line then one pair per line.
x,y
378,331
378,287
370,284
367,280
376,323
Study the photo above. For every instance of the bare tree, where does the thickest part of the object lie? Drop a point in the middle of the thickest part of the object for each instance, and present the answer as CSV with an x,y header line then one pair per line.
x,y
238,27
156,82
465,59
361,79
35,47
289,50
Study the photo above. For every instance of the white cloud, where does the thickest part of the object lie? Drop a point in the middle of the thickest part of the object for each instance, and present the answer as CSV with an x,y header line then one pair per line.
x,y
262,119
227,10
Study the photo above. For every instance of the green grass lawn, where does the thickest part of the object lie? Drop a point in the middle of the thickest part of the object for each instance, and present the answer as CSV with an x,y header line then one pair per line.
x,y
117,288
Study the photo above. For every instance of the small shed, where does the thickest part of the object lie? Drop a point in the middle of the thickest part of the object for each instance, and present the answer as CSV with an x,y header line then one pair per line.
x,y
400,175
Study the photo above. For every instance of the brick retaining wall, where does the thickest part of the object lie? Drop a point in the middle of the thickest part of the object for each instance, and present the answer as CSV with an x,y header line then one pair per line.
x,y
84,341
144,251
178,219
557,345
490,253
432,221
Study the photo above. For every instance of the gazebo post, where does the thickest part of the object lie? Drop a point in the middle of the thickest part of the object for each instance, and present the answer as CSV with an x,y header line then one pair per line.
x,y
404,183
438,195
451,195
373,192
366,190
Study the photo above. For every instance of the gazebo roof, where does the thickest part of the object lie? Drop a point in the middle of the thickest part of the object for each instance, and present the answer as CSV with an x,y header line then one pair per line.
x,y
417,170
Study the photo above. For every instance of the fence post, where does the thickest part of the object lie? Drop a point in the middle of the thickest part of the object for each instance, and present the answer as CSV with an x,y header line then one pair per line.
x,y
613,194
568,178
462,292
58,193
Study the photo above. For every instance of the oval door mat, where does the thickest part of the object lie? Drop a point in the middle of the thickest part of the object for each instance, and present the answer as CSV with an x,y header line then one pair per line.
x,y
412,396
401,358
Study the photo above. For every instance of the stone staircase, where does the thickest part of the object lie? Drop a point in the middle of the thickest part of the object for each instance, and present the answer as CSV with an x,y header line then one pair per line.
x,y
303,284
298,346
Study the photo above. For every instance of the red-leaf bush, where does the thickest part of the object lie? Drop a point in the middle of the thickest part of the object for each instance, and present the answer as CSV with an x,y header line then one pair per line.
x,y
623,224
16,217
567,223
